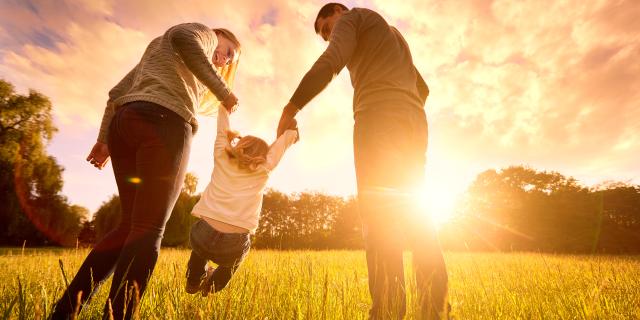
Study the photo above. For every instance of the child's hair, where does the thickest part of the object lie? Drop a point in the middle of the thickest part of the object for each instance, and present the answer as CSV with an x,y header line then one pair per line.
x,y
250,151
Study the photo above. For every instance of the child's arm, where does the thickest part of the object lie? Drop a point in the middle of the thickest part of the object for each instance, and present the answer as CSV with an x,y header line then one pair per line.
x,y
278,148
222,140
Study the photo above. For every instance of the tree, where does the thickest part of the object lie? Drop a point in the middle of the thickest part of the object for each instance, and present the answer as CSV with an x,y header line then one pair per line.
x,y
107,217
177,229
307,220
519,208
33,209
190,184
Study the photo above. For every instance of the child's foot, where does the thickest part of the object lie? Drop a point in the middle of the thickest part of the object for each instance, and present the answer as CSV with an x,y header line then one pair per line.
x,y
207,284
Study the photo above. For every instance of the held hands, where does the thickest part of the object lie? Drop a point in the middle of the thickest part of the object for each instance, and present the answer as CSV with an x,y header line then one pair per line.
x,y
287,120
293,125
99,155
230,103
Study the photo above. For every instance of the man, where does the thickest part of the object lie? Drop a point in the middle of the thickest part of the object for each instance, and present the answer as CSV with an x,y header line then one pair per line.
x,y
390,140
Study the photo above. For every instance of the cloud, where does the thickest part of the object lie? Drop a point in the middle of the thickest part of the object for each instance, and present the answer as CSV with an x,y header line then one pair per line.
x,y
533,82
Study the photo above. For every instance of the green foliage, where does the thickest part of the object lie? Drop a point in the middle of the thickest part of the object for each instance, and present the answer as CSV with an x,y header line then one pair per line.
x,y
307,220
179,224
30,180
107,217
519,208
514,209
303,220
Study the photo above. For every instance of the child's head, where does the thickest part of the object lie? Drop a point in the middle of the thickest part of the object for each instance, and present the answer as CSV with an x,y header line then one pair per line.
x,y
250,151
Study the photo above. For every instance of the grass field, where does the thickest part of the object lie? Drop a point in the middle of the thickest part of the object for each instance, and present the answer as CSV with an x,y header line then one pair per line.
x,y
333,285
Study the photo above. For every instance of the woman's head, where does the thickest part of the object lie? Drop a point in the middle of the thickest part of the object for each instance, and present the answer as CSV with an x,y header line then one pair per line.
x,y
228,49
249,151
225,58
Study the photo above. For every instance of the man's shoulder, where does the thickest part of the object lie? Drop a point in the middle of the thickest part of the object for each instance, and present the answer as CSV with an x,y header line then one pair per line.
x,y
364,14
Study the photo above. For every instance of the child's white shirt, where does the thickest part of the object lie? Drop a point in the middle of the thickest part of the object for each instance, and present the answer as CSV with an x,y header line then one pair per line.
x,y
234,195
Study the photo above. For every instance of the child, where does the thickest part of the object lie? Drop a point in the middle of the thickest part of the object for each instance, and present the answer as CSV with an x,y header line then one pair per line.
x,y
229,208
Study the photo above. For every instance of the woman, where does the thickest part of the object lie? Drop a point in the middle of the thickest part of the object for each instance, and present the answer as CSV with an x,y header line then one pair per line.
x,y
146,130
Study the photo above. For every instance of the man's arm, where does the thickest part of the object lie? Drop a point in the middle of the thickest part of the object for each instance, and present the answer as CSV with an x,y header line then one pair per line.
x,y
342,44
341,47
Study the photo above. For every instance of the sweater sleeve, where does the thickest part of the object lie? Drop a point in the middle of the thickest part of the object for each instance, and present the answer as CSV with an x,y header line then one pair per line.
x,y
278,148
221,133
189,41
342,44
116,92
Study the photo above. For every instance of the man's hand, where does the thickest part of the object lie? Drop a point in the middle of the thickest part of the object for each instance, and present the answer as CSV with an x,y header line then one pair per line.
x,y
293,125
230,103
99,155
288,114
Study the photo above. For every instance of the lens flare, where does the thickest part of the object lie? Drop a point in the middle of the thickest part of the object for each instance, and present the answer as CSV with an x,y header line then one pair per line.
x,y
25,197
134,180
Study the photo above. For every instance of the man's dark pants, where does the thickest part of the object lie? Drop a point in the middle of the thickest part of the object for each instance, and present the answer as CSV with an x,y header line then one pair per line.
x,y
390,153
149,148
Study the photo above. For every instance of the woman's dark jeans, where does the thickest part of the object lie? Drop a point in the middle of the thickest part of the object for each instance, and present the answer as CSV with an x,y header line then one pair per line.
x,y
149,148
227,250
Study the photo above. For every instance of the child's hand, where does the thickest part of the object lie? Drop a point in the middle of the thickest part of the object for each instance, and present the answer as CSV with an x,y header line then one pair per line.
x,y
231,135
293,125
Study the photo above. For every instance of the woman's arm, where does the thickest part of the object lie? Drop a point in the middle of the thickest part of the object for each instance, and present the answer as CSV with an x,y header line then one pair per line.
x,y
188,41
116,92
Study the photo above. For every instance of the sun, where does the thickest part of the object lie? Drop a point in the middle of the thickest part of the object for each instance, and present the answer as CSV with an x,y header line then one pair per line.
x,y
437,203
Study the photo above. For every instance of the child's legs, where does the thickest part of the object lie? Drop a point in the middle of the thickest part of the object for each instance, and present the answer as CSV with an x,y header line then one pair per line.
x,y
227,250
228,254
198,238
196,268
222,275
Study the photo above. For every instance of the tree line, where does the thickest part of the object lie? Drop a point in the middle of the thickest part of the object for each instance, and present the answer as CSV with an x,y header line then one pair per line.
x,y
515,208
519,208
288,221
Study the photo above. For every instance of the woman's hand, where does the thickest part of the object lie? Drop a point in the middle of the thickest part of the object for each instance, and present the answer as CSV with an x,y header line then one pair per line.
x,y
230,102
99,155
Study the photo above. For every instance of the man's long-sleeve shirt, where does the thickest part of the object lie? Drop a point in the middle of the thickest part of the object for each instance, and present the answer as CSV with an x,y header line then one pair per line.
x,y
379,63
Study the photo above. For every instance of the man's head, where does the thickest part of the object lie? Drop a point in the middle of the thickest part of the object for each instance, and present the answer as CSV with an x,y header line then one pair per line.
x,y
327,17
228,49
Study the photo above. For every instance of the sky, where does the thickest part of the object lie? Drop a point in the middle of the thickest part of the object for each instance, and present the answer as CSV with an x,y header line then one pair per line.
x,y
554,85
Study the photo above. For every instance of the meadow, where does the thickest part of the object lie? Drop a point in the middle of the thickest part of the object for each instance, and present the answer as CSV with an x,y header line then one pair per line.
x,y
333,285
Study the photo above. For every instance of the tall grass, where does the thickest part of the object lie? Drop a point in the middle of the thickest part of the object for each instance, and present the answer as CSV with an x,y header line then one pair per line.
x,y
333,285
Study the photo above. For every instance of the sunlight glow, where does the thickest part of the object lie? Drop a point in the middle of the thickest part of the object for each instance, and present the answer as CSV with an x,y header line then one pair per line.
x,y
438,200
